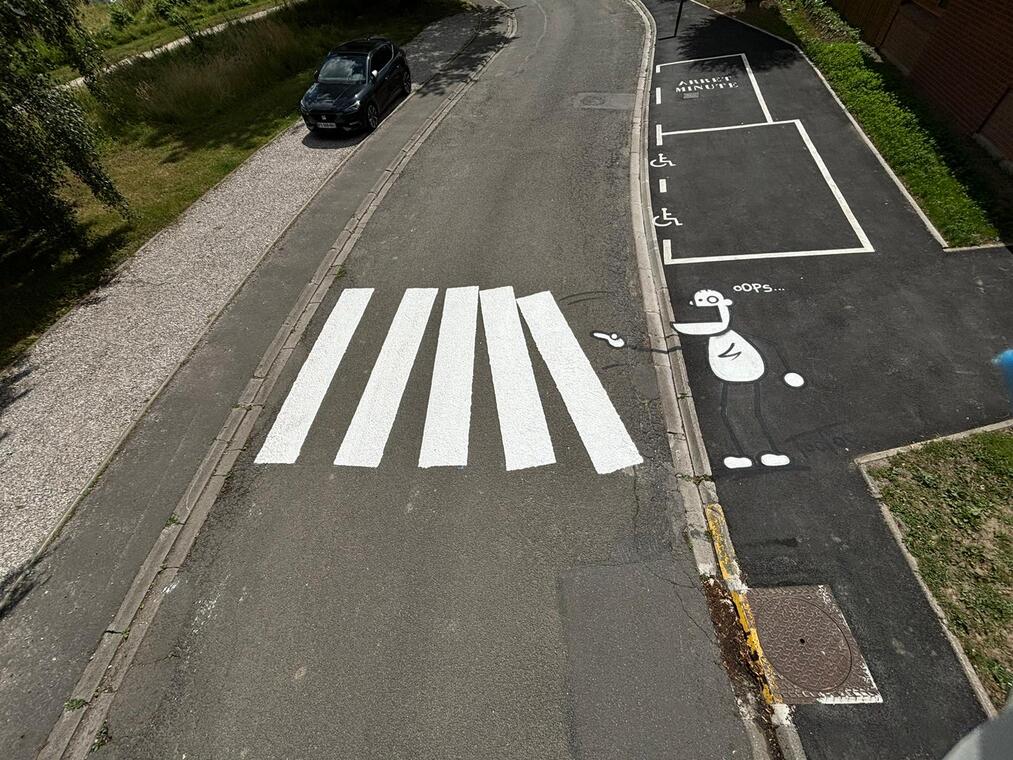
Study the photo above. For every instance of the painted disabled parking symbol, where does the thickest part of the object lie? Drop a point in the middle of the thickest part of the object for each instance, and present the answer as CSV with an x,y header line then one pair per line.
x,y
739,364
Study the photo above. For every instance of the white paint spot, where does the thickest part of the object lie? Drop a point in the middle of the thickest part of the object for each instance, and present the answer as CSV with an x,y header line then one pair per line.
x,y
448,417
794,379
774,460
293,422
367,434
605,437
738,463
612,339
525,434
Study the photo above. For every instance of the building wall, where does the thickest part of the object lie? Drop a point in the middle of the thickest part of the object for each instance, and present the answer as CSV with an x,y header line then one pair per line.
x,y
873,17
958,53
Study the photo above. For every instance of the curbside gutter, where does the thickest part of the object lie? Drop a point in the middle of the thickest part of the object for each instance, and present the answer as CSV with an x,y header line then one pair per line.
x,y
706,530
73,734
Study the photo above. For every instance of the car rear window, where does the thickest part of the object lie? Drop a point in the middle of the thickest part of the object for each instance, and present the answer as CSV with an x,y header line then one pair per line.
x,y
343,69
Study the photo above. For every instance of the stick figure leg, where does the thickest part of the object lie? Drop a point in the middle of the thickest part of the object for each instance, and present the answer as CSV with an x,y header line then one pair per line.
x,y
771,458
732,462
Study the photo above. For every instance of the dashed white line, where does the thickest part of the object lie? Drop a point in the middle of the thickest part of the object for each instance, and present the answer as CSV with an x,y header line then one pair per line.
x,y
526,441
605,437
657,96
662,185
367,434
293,422
448,417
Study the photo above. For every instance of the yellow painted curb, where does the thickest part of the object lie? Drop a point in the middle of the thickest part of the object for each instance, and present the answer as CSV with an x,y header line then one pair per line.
x,y
729,568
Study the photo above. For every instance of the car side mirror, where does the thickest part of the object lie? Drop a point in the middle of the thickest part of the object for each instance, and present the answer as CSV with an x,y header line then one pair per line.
x,y
374,74
316,75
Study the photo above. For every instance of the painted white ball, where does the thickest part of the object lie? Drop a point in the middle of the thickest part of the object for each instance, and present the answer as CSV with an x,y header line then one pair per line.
x,y
794,379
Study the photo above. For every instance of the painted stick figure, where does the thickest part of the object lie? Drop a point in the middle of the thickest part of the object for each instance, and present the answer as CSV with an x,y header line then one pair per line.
x,y
740,366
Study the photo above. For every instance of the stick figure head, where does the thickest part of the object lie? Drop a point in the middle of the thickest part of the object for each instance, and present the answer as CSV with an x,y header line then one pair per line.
x,y
710,298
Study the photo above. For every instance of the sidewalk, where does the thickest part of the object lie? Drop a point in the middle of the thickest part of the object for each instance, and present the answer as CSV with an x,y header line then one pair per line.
x,y
66,405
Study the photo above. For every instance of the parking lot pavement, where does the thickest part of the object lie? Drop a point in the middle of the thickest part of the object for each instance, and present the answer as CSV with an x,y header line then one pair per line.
x,y
819,320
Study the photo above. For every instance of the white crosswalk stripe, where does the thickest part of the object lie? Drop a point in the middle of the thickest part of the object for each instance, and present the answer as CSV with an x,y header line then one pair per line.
x,y
526,441
367,434
448,417
293,422
523,426
603,433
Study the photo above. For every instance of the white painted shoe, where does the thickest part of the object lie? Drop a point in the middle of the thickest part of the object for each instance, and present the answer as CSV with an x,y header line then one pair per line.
x,y
775,460
737,463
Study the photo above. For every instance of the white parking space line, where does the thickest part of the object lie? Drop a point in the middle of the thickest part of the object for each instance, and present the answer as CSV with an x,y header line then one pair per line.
x,y
448,417
756,89
367,434
865,247
863,239
605,437
526,441
657,96
662,185
293,422
749,73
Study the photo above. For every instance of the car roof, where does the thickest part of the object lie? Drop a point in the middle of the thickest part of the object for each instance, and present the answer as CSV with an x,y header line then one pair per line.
x,y
365,45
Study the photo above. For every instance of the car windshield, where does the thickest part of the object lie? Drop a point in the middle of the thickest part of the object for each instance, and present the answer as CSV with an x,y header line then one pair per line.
x,y
343,69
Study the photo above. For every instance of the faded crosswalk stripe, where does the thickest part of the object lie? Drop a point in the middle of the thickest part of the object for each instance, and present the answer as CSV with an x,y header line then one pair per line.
x,y
293,422
602,431
448,417
367,434
525,434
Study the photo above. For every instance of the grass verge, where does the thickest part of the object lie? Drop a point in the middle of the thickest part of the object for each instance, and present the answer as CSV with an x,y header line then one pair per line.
x,y
953,501
143,30
177,125
957,184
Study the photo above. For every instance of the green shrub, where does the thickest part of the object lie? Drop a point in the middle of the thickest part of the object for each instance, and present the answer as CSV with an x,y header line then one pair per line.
x,y
119,16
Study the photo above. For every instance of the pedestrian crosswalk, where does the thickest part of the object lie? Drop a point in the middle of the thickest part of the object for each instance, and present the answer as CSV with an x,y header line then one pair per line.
x,y
524,429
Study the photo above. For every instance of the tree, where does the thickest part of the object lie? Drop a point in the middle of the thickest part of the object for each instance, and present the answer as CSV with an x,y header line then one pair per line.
x,y
43,131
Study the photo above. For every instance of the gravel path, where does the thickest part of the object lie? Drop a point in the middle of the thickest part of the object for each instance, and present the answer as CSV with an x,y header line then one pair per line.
x,y
65,406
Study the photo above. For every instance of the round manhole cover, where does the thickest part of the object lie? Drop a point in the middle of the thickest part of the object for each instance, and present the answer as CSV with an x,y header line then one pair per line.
x,y
804,644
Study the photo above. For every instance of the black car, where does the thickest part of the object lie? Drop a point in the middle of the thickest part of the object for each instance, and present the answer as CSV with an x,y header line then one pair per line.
x,y
355,84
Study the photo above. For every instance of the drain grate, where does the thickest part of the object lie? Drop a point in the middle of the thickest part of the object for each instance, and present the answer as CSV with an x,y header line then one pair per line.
x,y
809,648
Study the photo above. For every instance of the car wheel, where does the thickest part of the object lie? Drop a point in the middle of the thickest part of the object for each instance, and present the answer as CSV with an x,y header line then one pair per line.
x,y
406,83
372,117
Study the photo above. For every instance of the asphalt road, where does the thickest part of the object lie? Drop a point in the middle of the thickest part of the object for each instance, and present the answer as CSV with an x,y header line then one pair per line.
x,y
526,596
780,225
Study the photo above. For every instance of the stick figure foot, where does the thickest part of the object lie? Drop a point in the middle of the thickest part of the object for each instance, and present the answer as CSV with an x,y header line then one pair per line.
x,y
737,463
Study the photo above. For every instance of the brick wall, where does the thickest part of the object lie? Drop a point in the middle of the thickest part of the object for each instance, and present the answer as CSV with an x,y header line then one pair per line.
x,y
960,57
967,65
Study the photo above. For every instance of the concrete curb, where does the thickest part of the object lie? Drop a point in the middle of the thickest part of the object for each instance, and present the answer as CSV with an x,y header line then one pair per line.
x,y
74,732
858,128
714,553
865,464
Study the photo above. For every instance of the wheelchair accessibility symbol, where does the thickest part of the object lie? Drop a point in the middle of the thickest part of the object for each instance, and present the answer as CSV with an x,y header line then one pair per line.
x,y
666,219
661,160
